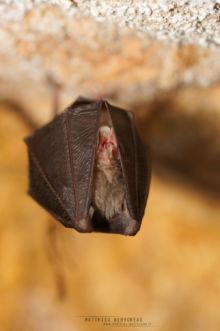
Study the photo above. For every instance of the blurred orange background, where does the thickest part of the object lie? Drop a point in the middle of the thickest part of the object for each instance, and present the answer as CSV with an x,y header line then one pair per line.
x,y
168,274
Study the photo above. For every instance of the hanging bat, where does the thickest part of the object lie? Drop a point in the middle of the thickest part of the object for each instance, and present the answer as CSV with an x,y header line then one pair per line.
x,y
89,168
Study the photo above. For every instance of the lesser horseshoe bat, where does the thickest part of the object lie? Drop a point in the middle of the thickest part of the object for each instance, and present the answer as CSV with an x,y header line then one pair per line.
x,y
89,168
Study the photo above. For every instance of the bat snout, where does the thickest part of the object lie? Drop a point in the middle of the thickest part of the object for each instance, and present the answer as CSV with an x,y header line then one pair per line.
x,y
107,150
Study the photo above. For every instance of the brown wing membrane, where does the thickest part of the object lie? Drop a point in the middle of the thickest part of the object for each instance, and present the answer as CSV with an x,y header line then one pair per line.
x,y
82,127
134,159
41,190
143,163
48,152
61,162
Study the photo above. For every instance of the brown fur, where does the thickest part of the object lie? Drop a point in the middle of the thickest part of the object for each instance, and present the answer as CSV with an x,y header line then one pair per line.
x,y
109,187
109,191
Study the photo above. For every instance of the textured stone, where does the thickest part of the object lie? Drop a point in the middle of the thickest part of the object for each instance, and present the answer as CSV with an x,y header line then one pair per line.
x,y
66,39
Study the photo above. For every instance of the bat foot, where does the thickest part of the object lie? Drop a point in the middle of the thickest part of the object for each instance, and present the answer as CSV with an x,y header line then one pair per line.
x,y
124,224
84,225
131,228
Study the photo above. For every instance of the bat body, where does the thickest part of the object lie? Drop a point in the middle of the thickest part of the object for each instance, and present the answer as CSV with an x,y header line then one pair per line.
x,y
89,169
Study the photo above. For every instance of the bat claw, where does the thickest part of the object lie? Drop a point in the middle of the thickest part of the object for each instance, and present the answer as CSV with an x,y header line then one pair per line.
x,y
132,228
84,225
123,223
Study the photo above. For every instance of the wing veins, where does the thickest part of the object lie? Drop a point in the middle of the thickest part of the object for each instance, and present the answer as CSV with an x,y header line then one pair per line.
x,y
49,185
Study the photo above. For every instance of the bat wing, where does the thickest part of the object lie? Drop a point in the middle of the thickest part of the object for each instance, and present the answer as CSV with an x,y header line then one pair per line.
x,y
41,190
143,157
61,161
134,161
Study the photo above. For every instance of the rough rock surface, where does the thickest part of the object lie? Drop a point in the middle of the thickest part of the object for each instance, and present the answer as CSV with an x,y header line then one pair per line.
x,y
124,49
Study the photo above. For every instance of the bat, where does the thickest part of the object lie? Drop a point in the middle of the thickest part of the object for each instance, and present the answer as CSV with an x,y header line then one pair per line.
x,y
89,169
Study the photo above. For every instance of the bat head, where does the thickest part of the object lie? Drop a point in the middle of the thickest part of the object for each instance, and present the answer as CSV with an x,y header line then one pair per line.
x,y
107,150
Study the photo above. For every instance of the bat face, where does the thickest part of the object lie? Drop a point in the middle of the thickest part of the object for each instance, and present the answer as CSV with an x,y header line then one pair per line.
x,y
89,169
108,186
